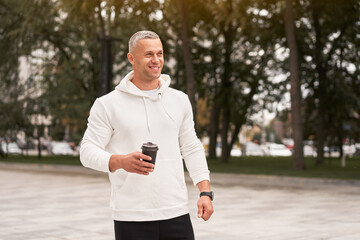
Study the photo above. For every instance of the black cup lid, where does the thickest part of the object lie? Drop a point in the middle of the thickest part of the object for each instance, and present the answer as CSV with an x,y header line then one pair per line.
x,y
150,145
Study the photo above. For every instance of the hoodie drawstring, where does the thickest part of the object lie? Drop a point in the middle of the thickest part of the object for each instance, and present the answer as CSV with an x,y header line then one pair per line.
x,y
147,112
167,113
147,116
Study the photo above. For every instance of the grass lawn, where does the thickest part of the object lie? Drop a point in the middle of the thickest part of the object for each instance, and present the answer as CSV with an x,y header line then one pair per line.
x,y
282,166
61,160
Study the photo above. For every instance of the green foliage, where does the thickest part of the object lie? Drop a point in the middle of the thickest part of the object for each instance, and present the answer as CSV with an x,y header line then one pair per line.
x,y
329,66
11,114
62,42
238,48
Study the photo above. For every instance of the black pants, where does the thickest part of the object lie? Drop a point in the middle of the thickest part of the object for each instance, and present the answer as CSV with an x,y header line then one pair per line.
x,y
179,228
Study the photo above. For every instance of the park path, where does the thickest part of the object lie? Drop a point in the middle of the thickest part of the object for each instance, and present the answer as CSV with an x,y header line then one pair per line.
x,y
40,205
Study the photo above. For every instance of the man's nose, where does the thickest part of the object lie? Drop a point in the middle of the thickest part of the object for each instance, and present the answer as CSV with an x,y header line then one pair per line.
x,y
155,59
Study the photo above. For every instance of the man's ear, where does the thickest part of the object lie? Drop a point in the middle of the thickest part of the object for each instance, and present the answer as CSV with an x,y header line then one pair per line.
x,y
130,58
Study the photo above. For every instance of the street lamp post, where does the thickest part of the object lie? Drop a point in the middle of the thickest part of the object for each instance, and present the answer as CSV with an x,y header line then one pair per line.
x,y
106,64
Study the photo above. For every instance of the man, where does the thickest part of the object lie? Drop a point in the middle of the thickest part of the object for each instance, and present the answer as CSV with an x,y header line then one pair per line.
x,y
148,201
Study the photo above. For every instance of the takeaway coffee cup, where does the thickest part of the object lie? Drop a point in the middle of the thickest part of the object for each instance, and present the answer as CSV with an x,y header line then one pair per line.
x,y
150,149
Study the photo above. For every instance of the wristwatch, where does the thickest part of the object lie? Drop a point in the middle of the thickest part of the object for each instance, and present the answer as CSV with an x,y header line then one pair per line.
x,y
209,194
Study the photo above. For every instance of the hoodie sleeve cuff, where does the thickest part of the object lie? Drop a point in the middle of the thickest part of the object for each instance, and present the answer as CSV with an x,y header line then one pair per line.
x,y
95,159
105,163
200,177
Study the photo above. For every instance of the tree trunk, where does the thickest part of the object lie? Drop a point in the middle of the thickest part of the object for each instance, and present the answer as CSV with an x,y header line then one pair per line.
x,y
234,137
340,136
39,141
320,132
242,118
189,67
295,91
224,134
105,67
226,86
106,59
214,129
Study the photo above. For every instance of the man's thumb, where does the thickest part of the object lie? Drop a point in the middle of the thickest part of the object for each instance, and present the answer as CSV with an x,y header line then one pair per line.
x,y
200,211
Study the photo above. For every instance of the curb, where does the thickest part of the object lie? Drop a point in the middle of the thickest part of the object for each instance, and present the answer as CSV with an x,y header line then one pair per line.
x,y
217,179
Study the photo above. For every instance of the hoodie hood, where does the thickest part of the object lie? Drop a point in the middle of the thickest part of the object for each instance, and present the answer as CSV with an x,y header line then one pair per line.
x,y
127,86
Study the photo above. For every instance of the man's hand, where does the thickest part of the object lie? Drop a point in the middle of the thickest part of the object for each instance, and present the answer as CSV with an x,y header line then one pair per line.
x,y
205,208
131,163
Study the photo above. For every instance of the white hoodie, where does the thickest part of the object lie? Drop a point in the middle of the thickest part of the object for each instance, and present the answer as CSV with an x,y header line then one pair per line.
x,y
119,123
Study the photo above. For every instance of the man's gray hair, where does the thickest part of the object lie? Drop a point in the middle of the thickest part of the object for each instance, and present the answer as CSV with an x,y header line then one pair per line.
x,y
141,35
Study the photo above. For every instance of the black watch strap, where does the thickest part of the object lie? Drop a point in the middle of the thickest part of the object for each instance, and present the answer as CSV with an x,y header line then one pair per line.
x,y
209,194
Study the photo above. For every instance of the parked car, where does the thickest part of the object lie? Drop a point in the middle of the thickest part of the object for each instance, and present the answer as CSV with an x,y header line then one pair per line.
x,y
357,152
309,151
333,151
235,152
252,149
10,148
275,149
60,148
349,150
218,151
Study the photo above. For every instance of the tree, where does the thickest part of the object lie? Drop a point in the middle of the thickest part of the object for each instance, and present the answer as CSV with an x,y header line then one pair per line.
x,y
329,67
224,52
295,91
61,39
326,42
188,59
240,59
16,42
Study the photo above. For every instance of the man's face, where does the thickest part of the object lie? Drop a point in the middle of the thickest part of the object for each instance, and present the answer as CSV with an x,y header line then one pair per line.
x,y
147,59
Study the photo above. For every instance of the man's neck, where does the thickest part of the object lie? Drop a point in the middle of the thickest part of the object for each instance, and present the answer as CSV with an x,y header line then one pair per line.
x,y
144,85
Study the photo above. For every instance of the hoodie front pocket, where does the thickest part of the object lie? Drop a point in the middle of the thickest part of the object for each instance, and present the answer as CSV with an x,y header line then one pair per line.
x,y
133,194
170,180
161,189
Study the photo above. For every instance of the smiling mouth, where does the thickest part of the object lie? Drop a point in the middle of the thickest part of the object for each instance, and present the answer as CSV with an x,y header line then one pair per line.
x,y
155,68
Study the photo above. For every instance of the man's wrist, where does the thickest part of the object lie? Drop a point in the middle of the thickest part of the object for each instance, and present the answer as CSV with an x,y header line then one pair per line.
x,y
209,194
204,186
114,163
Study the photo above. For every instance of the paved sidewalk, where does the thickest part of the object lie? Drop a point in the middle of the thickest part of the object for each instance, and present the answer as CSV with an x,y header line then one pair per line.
x,y
54,205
